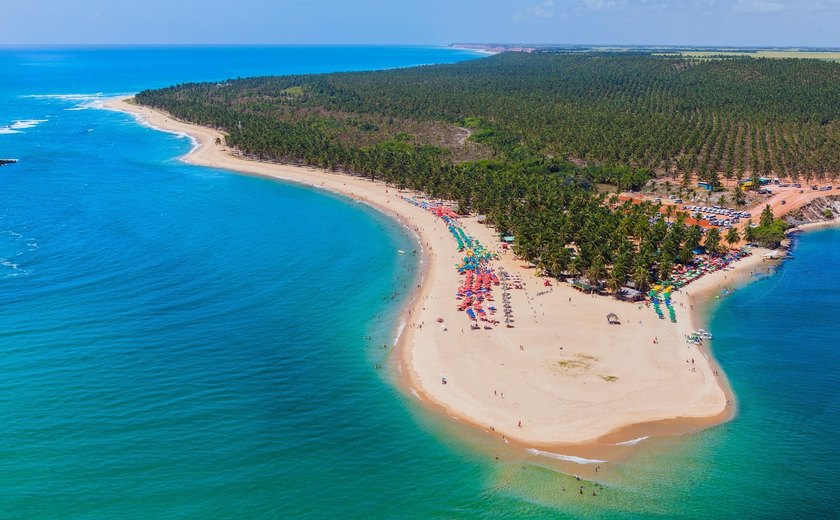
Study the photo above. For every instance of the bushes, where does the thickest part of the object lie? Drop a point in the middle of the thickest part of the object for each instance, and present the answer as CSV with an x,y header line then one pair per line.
x,y
770,235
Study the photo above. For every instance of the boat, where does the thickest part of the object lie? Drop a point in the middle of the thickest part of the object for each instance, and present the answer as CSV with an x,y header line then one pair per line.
x,y
4,162
400,251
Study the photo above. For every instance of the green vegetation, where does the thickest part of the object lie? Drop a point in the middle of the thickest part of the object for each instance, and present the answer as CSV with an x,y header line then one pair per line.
x,y
770,231
712,242
732,236
770,236
293,91
774,54
524,139
732,117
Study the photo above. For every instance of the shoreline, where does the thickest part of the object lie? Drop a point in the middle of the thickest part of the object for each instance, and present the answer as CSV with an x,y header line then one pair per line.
x,y
814,226
576,421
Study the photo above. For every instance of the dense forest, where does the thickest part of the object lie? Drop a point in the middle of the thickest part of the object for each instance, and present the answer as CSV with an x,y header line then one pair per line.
x,y
714,117
523,138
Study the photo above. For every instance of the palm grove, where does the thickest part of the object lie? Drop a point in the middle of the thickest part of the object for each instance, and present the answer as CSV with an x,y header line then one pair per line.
x,y
543,130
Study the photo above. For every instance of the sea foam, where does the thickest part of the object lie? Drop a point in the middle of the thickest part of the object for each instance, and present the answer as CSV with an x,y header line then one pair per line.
x,y
83,101
141,120
21,124
568,458
631,442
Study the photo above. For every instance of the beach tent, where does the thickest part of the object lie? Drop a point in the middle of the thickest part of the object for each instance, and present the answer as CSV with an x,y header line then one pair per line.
x,y
631,295
583,286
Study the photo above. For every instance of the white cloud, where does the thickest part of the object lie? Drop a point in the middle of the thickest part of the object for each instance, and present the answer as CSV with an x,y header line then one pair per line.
x,y
601,5
552,9
543,9
741,6
760,6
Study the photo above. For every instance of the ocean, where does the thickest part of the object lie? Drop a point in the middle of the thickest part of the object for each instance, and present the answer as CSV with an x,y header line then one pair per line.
x,y
184,342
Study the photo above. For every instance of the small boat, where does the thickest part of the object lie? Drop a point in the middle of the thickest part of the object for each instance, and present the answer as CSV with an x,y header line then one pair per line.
x,y
400,251
4,162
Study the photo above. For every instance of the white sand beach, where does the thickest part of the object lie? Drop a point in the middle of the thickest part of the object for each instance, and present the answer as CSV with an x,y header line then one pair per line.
x,y
562,377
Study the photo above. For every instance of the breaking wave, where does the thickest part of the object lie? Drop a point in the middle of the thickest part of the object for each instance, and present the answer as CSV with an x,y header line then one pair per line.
x,y
568,458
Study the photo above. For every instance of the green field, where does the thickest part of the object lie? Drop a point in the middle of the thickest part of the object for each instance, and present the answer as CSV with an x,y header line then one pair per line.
x,y
781,53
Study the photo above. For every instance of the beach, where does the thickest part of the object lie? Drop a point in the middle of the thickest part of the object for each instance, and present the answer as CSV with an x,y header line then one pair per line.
x,y
562,380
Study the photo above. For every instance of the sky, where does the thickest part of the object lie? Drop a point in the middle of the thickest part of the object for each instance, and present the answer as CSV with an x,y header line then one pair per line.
x,y
811,23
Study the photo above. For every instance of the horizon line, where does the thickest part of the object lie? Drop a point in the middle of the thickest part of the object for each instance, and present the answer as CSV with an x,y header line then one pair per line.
x,y
443,45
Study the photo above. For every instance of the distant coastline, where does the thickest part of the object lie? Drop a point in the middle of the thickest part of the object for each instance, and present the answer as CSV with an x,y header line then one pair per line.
x,y
491,48
563,380
702,52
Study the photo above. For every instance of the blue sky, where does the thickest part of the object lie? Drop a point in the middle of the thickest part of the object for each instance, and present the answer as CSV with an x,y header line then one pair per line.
x,y
662,22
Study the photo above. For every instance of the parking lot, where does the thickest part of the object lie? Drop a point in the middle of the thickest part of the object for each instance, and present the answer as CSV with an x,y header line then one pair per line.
x,y
718,216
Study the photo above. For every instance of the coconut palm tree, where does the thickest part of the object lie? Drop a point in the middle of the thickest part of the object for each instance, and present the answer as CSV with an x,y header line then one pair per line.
x,y
712,242
641,277
577,265
732,236
749,233
597,271
615,280
665,268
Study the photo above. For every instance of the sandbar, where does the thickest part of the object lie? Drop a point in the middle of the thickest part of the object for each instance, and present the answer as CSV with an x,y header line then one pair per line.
x,y
563,380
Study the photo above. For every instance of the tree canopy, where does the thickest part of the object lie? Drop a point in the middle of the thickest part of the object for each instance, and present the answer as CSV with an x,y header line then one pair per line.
x,y
525,138
731,117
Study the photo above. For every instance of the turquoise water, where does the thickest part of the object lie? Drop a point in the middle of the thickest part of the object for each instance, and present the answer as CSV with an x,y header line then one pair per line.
x,y
181,342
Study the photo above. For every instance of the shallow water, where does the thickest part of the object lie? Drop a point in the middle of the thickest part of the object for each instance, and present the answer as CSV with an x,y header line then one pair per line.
x,y
179,341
